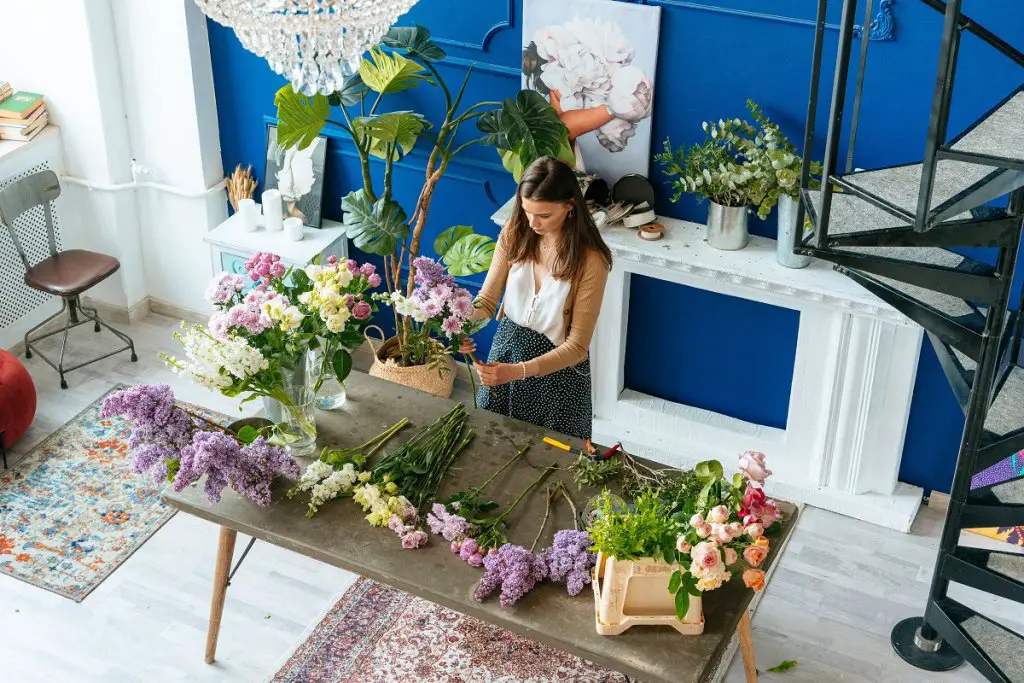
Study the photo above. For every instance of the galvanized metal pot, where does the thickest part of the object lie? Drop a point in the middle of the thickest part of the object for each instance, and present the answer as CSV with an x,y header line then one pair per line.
x,y
787,229
727,227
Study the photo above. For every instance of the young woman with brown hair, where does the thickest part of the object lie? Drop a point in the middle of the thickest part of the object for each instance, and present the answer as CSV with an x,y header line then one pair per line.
x,y
551,265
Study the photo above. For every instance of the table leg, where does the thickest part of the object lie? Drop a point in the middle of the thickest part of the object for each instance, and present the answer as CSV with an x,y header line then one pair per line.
x,y
747,648
225,551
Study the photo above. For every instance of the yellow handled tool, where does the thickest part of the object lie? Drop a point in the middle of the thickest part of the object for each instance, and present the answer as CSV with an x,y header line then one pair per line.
x,y
557,444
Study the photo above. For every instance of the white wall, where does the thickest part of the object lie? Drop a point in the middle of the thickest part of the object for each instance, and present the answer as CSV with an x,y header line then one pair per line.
x,y
129,80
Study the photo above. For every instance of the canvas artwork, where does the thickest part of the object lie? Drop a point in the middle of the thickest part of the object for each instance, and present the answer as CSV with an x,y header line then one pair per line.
x,y
299,176
595,61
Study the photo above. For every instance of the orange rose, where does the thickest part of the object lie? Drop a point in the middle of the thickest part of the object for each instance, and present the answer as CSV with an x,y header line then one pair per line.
x,y
763,541
754,555
754,578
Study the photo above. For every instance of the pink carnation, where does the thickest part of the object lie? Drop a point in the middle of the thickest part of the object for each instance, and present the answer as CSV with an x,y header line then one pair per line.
x,y
362,310
373,280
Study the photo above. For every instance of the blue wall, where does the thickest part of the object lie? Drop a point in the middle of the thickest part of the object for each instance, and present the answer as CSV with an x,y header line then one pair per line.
x,y
713,57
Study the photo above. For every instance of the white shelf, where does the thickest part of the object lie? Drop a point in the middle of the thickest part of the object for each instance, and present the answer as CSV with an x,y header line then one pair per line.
x,y
230,237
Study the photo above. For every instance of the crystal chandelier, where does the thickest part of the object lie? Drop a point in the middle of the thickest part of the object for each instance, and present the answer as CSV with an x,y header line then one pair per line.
x,y
316,44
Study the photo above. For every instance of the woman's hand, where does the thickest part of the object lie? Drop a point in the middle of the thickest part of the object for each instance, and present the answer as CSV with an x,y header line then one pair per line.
x,y
496,374
467,346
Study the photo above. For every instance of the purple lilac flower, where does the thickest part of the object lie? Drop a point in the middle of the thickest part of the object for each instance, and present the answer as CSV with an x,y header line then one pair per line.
x,y
212,454
154,416
513,568
223,288
449,526
570,560
430,273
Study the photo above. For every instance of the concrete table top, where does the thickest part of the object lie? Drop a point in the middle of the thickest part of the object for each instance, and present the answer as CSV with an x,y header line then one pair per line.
x,y
339,536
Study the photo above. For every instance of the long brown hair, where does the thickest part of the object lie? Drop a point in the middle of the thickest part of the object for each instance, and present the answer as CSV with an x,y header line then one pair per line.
x,y
550,180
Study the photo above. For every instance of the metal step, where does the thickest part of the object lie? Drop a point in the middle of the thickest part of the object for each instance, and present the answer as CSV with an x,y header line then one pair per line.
x,y
987,227
999,573
997,139
958,369
1006,414
994,650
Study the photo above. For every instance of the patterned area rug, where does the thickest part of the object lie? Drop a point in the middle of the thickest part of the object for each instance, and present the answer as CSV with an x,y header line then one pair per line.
x,y
1008,469
378,634
72,511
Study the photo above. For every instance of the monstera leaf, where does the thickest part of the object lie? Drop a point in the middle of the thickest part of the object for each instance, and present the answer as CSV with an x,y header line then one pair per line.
x,y
352,92
390,73
398,128
528,127
377,227
449,237
469,255
300,118
416,41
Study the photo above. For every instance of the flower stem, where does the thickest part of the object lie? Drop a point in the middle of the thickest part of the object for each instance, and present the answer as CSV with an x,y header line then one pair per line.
x,y
552,493
470,358
544,475
519,453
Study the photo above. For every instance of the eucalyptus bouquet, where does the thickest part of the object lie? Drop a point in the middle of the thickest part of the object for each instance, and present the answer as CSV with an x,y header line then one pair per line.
x,y
713,169
521,129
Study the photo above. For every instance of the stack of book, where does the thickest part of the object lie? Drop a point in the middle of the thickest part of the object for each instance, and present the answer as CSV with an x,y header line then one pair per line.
x,y
5,90
22,115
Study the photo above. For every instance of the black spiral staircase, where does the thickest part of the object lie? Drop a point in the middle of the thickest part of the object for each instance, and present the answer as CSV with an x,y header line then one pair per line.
x,y
892,230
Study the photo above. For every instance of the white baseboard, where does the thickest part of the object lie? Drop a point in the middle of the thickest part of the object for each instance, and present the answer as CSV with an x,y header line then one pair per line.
x,y
170,310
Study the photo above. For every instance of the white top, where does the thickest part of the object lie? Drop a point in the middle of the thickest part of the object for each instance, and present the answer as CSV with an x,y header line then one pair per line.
x,y
231,235
540,311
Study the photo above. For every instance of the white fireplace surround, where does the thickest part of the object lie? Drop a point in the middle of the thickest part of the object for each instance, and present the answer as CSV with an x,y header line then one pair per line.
x,y
853,379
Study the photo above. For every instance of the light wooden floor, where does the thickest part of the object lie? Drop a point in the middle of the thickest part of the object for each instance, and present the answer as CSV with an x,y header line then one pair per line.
x,y
840,586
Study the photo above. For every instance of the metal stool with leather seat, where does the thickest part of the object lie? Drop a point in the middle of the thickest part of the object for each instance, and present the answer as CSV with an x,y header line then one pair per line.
x,y
66,274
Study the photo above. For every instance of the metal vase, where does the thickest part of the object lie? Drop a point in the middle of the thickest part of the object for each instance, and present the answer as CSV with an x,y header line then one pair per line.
x,y
787,229
727,227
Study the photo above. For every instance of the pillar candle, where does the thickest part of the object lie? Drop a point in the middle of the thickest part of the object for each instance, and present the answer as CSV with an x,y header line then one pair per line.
x,y
272,210
247,210
293,228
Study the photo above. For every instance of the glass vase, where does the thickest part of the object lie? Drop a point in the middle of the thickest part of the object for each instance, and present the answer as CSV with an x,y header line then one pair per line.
x,y
332,394
296,417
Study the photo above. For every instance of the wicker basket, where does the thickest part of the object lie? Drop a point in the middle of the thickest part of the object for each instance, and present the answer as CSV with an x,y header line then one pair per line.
x,y
436,381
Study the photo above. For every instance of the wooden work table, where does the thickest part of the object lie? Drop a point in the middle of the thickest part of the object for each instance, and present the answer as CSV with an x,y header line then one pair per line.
x,y
339,536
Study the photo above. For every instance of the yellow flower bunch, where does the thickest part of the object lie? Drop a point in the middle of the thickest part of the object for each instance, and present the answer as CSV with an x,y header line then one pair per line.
x,y
326,298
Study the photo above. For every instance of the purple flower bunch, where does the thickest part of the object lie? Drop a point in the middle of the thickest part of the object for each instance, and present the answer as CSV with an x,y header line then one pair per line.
x,y
223,288
515,570
412,537
448,525
569,560
263,266
166,439
440,298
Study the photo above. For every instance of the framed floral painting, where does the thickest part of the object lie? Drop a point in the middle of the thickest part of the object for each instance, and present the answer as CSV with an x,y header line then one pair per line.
x,y
595,61
298,174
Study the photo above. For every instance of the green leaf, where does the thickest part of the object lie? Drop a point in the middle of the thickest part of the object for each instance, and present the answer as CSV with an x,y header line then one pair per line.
x,y
342,363
247,434
682,604
527,126
390,73
352,92
469,255
299,118
783,666
400,129
350,338
416,41
674,581
513,164
299,279
670,555
449,237
377,227
709,469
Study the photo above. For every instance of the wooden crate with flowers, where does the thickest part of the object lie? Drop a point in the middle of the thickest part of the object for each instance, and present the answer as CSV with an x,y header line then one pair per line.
x,y
657,558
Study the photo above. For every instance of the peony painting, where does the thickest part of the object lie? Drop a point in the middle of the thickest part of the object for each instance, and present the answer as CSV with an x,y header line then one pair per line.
x,y
595,61
298,174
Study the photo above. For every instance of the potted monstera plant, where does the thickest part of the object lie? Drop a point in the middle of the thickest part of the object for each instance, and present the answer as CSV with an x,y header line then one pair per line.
x,y
521,129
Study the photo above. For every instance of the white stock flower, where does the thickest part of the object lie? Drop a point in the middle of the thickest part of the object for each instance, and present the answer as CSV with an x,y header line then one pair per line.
x,y
291,318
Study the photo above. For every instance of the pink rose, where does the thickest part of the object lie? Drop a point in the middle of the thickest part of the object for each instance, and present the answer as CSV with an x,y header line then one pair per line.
x,y
475,560
706,555
332,260
704,530
749,519
456,546
723,533
373,280
730,556
719,515
755,531
752,466
735,528
681,544
696,521
362,310
755,554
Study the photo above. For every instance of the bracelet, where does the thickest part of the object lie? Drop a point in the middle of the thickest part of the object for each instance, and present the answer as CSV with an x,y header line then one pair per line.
x,y
523,365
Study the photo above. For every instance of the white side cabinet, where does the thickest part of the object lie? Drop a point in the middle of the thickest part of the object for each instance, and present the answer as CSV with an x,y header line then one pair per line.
x,y
231,246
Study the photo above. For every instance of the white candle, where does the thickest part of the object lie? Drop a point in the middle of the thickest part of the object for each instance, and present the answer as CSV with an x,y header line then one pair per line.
x,y
272,210
293,228
247,210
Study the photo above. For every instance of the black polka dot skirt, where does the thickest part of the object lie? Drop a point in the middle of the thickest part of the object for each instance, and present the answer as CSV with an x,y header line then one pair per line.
x,y
559,401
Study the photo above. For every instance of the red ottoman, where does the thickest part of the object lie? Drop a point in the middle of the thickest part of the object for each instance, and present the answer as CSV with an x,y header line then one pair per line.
x,y
17,401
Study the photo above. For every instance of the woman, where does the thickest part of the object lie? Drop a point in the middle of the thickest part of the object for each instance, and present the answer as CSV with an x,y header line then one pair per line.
x,y
551,265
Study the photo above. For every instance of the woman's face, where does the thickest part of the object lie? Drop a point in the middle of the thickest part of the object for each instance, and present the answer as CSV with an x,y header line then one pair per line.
x,y
545,218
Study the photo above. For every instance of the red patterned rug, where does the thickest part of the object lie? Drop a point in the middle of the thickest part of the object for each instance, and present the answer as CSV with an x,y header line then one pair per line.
x,y
378,634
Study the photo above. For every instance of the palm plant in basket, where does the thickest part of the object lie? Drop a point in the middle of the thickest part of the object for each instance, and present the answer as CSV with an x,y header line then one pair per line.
x,y
522,129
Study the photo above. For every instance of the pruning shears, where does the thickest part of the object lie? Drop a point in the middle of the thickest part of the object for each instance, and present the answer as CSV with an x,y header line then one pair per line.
x,y
607,454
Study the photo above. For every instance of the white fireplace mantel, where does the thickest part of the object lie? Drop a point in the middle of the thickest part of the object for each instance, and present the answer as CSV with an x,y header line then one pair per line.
x,y
853,379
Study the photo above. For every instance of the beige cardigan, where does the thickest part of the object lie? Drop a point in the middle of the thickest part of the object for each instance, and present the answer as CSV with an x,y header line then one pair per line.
x,y
582,305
